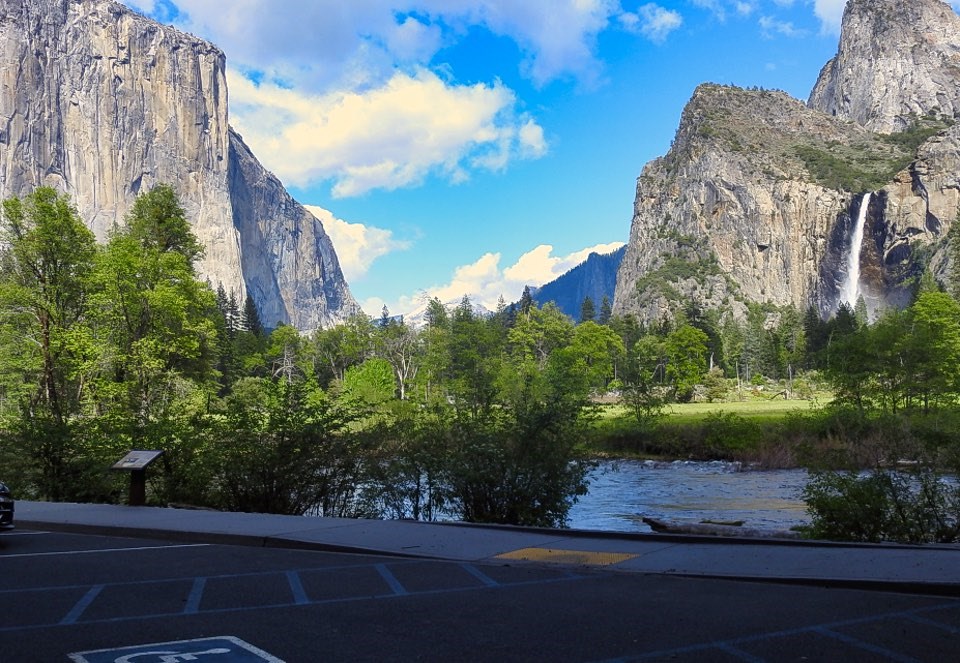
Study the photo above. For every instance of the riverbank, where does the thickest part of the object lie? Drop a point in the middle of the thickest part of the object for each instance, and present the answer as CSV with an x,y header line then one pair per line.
x,y
780,434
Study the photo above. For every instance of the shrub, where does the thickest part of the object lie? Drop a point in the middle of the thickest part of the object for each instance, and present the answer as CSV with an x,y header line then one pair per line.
x,y
883,506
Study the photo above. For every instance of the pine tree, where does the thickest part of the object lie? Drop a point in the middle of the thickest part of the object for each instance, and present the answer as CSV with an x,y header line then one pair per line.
x,y
222,299
860,311
251,318
606,311
526,301
587,310
235,321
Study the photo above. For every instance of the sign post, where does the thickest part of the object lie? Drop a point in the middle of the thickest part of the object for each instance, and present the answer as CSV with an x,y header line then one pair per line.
x,y
136,463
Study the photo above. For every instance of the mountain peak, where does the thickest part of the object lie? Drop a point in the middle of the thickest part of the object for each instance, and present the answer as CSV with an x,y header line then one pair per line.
x,y
897,61
102,103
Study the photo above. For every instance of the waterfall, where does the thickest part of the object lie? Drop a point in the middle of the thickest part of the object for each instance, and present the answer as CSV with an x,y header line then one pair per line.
x,y
850,289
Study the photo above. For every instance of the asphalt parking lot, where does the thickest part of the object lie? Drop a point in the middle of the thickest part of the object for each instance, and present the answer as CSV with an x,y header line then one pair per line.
x,y
97,598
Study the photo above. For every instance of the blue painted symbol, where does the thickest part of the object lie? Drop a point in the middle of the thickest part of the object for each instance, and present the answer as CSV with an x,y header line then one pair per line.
x,y
224,649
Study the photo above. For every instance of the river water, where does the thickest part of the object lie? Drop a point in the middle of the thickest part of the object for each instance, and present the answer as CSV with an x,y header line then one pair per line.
x,y
621,493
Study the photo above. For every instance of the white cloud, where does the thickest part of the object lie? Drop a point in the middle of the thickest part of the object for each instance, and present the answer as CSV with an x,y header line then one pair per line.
x,y
652,21
830,13
337,82
362,40
713,6
358,246
387,137
771,27
485,282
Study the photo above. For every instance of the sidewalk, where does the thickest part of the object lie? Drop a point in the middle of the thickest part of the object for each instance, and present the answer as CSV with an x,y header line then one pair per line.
x,y
915,569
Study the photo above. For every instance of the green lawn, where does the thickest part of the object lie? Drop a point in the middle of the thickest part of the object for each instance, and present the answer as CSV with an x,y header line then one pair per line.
x,y
749,409
741,430
690,413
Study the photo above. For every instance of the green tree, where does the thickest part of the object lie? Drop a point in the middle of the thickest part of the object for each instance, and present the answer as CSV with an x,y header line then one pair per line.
x,y
44,296
158,223
606,311
518,464
345,345
370,384
539,332
250,317
153,326
598,351
686,350
285,447
46,344
405,471
588,311
642,377
931,348
473,359
526,301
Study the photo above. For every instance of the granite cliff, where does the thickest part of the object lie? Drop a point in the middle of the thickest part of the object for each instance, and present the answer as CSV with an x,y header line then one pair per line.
x,y
595,277
102,103
757,199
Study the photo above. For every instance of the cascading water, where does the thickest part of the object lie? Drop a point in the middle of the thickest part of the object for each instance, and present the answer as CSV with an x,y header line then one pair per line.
x,y
850,290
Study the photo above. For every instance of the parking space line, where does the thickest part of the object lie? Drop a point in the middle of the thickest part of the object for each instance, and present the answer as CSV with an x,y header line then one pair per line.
x,y
825,630
196,595
81,605
934,623
866,646
105,550
480,575
395,586
296,587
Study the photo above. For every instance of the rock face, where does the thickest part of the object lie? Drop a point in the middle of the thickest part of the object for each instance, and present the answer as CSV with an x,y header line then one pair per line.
x,y
102,103
759,195
595,277
897,61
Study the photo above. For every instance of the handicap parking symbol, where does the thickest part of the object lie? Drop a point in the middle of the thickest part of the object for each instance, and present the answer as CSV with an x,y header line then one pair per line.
x,y
223,649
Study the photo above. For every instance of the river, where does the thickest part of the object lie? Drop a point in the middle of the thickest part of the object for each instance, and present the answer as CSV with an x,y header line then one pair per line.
x,y
621,493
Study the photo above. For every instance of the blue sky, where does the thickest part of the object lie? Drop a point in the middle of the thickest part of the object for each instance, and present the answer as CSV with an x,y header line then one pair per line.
x,y
473,147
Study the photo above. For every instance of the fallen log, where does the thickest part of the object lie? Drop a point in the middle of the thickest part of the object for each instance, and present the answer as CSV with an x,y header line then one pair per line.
x,y
716,529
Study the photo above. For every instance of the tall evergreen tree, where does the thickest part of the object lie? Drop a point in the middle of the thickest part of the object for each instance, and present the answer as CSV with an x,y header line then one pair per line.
x,y
157,221
526,301
588,311
251,318
606,311
152,312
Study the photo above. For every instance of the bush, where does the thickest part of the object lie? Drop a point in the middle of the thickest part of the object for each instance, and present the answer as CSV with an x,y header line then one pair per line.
x,y
883,506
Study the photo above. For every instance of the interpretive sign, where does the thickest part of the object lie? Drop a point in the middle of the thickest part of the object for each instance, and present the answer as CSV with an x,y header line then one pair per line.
x,y
136,463
223,649
137,460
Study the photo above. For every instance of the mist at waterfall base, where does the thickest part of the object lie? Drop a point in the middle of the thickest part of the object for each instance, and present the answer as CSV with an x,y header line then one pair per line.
x,y
622,493
850,288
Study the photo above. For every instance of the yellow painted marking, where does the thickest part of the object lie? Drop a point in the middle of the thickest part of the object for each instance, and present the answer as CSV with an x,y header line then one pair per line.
x,y
553,556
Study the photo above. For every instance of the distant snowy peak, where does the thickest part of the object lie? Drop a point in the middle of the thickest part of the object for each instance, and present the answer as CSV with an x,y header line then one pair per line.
x,y
418,317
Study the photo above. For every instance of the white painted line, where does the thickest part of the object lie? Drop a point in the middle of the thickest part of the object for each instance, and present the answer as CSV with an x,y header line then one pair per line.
x,y
21,533
179,650
103,550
